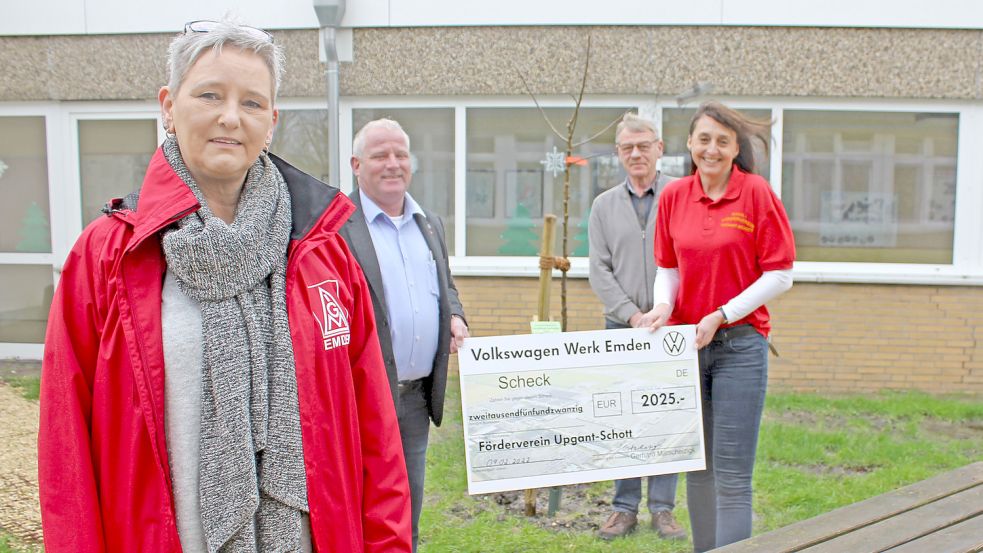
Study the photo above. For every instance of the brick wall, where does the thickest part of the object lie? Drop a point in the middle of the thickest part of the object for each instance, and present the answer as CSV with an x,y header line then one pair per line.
x,y
832,337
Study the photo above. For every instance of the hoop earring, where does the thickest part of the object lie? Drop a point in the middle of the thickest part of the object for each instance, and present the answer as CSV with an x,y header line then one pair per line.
x,y
168,133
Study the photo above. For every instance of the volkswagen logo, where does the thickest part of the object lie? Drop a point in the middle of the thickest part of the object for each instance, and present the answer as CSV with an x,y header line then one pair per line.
x,y
674,343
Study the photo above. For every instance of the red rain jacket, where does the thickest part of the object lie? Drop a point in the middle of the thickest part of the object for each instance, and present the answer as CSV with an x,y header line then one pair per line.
x,y
102,458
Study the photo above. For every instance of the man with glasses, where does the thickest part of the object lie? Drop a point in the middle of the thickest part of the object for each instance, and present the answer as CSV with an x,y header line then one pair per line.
x,y
622,271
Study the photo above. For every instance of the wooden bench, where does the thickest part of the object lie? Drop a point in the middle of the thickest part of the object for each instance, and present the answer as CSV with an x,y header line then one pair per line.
x,y
943,514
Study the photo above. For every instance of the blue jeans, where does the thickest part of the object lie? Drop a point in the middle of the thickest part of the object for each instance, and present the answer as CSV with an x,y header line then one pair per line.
x,y
661,493
628,491
414,430
734,375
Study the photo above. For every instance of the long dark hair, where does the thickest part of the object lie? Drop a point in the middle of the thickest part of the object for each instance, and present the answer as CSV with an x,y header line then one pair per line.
x,y
745,129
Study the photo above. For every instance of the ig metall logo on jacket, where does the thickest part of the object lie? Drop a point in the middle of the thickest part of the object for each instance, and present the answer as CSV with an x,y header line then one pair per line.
x,y
333,318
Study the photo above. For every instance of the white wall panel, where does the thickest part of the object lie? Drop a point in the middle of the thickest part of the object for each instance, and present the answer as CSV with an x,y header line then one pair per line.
x,y
554,12
109,16
53,17
145,16
373,13
943,14
148,16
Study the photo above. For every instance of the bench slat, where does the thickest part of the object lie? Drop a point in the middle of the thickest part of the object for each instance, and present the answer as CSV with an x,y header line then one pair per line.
x,y
806,533
965,537
907,526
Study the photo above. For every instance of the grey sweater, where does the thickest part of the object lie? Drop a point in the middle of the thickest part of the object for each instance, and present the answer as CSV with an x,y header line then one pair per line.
x,y
181,332
622,254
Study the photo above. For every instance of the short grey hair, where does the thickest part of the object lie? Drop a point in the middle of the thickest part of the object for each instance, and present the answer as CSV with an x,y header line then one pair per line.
x,y
358,144
186,48
636,123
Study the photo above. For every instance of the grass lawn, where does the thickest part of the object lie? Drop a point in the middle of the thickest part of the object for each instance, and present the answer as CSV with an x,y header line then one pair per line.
x,y
27,386
5,544
24,376
816,453
10,544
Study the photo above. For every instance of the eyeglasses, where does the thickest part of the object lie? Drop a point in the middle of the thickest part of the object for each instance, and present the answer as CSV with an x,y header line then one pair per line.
x,y
207,26
643,147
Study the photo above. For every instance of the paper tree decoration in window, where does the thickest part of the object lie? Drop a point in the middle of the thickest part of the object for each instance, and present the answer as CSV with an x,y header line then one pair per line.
x,y
34,231
518,236
583,248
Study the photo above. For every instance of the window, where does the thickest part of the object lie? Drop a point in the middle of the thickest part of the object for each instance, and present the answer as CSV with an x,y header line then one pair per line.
x,y
24,213
431,133
515,176
870,186
25,299
113,157
675,131
301,138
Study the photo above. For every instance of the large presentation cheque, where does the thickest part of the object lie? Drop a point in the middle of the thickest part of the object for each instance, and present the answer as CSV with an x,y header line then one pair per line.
x,y
551,409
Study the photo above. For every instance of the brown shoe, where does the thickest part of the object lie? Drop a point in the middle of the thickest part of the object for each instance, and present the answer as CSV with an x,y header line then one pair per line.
x,y
666,525
618,525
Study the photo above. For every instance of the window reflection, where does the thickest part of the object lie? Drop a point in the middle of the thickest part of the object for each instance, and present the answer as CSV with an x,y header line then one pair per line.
x,y
113,157
511,182
870,187
25,299
431,133
24,215
675,130
301,138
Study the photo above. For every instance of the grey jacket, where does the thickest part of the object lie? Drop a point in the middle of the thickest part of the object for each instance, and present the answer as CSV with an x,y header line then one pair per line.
x,y
356,234
622,254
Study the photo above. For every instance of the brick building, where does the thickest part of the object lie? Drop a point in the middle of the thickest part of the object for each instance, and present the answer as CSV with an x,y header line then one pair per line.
x,y
878,124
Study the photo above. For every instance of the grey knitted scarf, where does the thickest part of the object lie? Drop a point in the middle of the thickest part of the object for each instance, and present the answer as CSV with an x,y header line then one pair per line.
x,y
253,490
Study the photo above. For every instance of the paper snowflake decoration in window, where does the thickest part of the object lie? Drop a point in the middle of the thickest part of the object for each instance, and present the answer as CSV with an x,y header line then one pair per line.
x,y
555,162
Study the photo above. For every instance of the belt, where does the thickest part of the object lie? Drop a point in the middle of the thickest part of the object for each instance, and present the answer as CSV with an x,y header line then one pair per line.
x,y
409,384
740,331
732,332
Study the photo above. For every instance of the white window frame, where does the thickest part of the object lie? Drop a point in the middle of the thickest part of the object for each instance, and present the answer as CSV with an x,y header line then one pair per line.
x,y
461,264
61,130
967,265
54,125
118,111
64,177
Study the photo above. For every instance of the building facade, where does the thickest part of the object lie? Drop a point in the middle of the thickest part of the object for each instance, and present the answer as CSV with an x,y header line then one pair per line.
x,y
878,121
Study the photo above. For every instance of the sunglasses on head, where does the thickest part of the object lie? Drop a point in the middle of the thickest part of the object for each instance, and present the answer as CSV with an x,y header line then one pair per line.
x,y
207,26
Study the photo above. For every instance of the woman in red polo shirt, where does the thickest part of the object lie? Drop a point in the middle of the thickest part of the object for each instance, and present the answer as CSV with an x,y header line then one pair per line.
x,y
723,248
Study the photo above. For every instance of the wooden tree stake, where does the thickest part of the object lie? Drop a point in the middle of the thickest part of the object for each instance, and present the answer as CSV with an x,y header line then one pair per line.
x,y
543,312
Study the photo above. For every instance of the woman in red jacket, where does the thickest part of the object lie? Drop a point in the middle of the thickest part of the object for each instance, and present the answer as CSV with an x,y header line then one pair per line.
x,y
723,248
212,380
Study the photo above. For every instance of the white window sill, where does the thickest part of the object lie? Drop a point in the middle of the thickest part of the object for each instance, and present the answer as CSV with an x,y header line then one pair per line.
x,y
859,273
